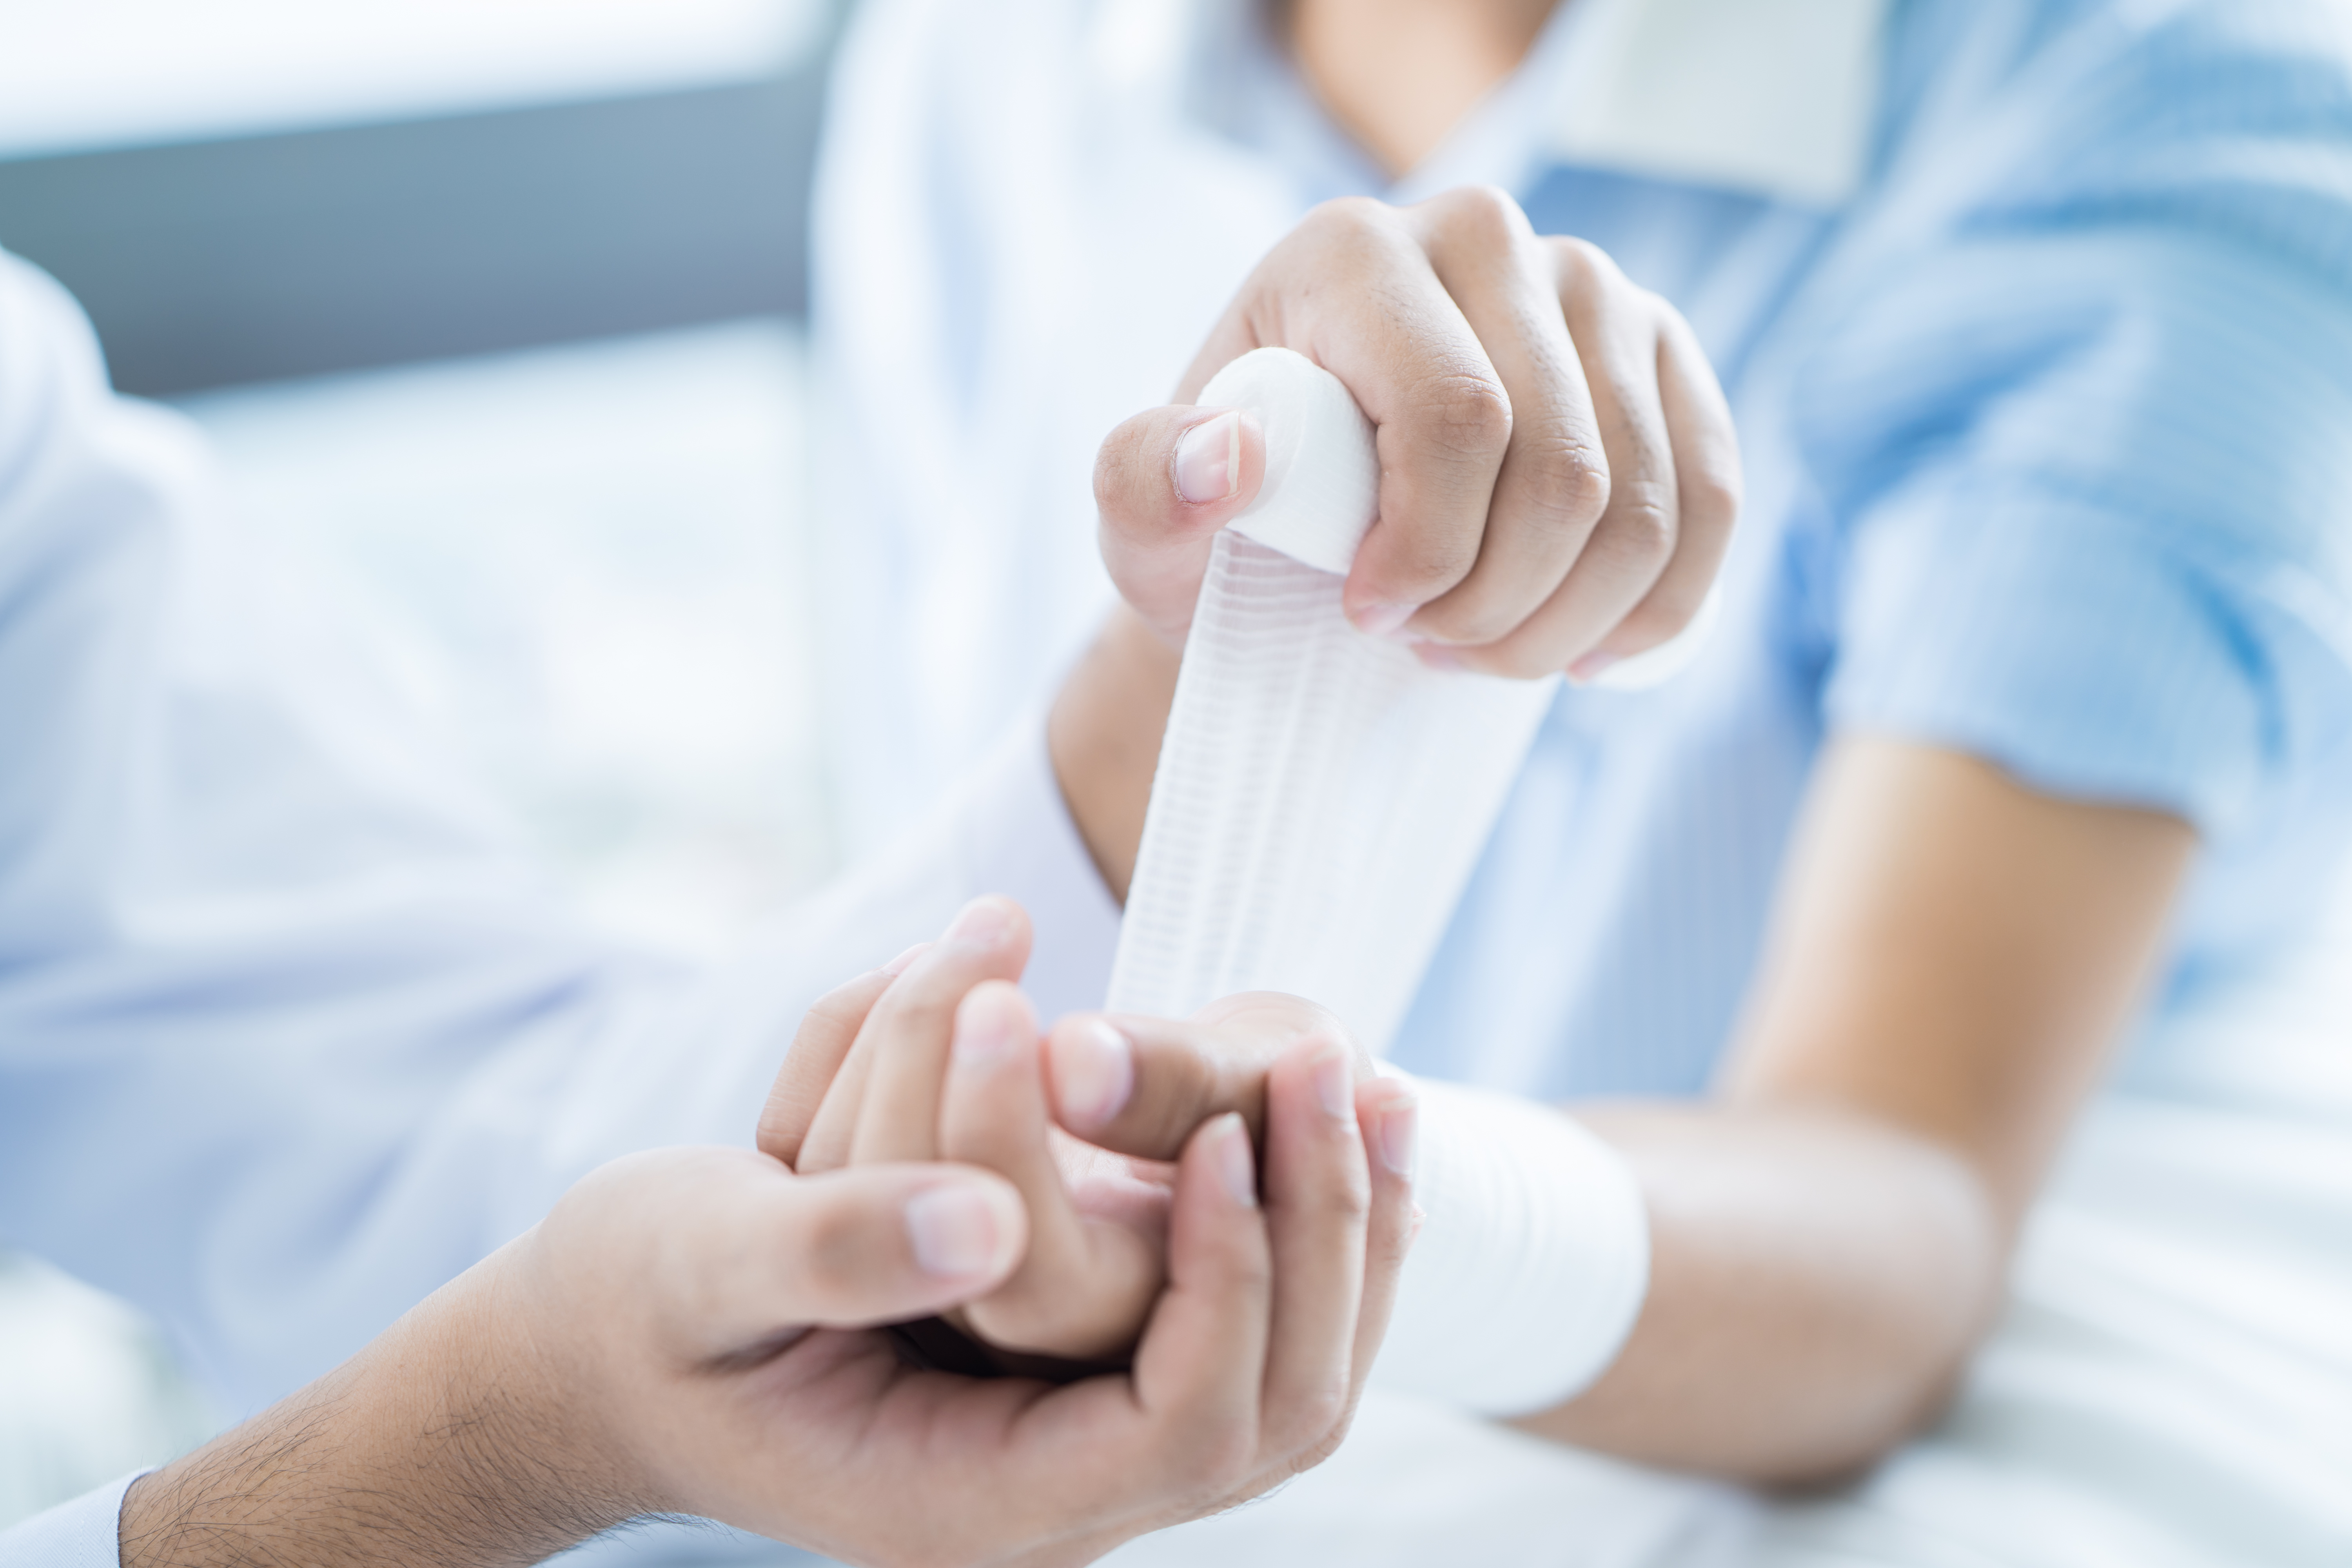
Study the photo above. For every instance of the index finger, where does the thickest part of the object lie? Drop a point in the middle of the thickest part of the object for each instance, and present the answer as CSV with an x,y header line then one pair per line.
x,y
1352,290
818,1048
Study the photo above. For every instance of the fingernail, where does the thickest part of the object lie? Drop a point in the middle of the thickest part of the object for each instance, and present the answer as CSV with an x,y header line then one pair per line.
x,y
953,1232
1335,1079
1094,1073
1235,1163
1380,620
1592,667
1400,1135
985,1023
1209,459
897,965
1437,656
983,923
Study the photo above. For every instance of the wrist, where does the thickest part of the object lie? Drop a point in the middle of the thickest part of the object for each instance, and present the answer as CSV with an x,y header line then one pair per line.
x,y
1103,735
1533,1261
438,1444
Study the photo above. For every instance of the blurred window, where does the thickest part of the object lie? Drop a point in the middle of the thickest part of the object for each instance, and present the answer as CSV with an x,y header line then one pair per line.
x,y
76,75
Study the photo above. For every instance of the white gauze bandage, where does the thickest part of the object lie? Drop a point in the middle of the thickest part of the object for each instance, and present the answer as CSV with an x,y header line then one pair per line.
x,y
1320,799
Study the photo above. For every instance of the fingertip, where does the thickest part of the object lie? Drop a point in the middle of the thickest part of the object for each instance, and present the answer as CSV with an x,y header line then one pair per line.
x,y
1382,618
1388,1110
1212,463
1234,1162
970,1229
993,1019
1090,1072
986,924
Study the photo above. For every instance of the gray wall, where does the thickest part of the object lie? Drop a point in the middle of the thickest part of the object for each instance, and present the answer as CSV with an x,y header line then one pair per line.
x,y
256,257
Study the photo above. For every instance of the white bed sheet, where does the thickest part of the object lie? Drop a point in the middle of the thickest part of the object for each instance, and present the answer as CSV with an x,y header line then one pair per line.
x,y
2171,1386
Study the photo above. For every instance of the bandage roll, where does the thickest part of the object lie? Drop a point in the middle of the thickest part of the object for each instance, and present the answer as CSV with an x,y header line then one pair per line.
x,y
1321,795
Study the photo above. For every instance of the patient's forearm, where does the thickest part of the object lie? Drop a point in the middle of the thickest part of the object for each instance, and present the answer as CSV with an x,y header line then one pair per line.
x,y
1104,734
1816,1284
430,1448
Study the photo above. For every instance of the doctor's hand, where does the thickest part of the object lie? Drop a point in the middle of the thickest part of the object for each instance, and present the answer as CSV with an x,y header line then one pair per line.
x,y
688,1332
1558,471
944,1059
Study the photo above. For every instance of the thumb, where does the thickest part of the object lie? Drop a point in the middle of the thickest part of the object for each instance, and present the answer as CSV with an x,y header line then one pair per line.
x,y
849,1248
1165,482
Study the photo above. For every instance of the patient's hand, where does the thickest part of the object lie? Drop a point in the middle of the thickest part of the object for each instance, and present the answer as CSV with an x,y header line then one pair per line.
x,y
944,1059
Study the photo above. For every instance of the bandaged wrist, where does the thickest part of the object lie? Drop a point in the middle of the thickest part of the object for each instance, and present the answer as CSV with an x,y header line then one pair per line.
x,y
1531,1264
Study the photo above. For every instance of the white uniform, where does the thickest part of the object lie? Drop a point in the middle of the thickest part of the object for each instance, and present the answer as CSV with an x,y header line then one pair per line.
x,y
287,1040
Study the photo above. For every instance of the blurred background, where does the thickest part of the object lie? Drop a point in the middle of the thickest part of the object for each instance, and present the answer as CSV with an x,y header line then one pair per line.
x,y
492,310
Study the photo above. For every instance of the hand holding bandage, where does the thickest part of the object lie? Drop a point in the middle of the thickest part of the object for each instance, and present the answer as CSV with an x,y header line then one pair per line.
x,y
1317,802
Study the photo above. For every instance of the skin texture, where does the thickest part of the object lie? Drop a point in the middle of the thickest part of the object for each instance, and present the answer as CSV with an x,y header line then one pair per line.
x,y
1398,74
1951,959
690,1331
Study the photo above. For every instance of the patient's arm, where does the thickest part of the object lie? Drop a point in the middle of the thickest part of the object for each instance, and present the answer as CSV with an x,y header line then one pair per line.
x,y
1952,957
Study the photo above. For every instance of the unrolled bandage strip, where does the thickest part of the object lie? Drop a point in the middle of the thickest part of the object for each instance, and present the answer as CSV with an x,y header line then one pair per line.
x,y
1320,800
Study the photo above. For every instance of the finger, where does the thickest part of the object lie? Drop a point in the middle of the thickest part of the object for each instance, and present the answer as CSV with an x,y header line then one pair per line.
x,y
1078,1294
909,1029
1139,1086
1165,482
818,1048
1351,289
832,1133
1554,483
1388,1110
1614,326
1706,488
1318,1200
749,1250
1199,1367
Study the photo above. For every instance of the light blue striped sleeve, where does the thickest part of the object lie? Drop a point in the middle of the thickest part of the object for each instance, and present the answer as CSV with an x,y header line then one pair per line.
x,y
2086,453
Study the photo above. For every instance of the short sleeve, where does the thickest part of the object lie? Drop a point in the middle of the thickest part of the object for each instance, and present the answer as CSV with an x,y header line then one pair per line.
x,y
2091,494
2054,639
2073,391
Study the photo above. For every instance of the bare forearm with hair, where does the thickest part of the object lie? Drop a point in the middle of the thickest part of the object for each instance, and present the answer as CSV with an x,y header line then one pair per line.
x,y
435,1447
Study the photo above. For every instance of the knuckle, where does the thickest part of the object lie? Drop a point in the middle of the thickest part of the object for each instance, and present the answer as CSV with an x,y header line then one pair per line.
x,y
1467,411
1582,260
1348,223
1486,216
1712,497
1641,528
1571,484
